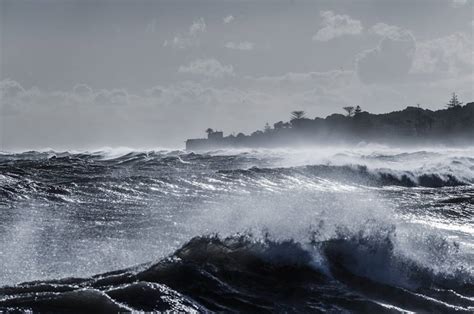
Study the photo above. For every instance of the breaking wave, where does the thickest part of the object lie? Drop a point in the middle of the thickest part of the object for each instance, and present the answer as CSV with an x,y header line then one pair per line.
x,y
50,174
359,273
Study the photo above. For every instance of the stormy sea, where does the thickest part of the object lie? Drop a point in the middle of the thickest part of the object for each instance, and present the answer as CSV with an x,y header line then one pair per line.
x,y
365,229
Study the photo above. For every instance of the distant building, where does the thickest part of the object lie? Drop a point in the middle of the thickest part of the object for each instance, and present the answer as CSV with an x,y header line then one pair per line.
x,y
214,140
218,135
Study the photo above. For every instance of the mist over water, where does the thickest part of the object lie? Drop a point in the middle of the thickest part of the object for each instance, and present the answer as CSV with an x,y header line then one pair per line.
x,y
348,222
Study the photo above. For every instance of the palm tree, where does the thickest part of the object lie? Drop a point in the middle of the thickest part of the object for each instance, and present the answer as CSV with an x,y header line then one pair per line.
x,y
297,114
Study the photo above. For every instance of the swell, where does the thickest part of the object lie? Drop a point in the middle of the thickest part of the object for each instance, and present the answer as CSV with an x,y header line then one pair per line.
x,y
360,174
58,176
242,274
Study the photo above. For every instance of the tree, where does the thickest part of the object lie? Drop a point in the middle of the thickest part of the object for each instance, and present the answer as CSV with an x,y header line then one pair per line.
x,y
297,114
209,131
454,102
358,110
267,128
349,110
278,125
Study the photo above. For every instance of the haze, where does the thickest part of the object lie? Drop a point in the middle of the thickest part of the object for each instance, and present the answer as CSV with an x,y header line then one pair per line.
x,y
89,74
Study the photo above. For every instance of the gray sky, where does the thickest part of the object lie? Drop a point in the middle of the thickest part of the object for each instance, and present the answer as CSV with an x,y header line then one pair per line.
x,y
89,74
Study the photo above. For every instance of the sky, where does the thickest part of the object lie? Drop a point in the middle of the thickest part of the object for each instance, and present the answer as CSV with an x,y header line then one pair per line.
x,y
148,74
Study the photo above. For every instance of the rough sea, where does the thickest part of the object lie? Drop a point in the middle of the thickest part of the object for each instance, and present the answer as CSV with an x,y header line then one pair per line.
x,y
367,229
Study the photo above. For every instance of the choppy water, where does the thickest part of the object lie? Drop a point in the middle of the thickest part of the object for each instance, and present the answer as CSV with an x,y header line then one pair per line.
x,y
362,230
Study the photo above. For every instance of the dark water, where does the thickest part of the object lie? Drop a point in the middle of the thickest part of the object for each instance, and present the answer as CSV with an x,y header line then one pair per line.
x,y
361,230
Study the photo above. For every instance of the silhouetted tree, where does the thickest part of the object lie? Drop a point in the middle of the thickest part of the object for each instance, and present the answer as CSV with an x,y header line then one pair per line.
x,y
454,102
349,110
297,114
257,133
209,131
267,128
357,110
278,125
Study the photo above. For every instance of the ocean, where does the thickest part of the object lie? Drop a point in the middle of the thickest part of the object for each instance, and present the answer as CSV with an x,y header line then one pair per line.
x,y
365,229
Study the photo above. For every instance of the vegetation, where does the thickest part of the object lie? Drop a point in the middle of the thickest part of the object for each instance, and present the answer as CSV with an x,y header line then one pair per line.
x,y
454,102
209,131
299,114
412,125
350,110
358,110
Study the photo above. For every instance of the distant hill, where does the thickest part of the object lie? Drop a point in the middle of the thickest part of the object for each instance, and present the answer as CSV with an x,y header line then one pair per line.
x,y
413,125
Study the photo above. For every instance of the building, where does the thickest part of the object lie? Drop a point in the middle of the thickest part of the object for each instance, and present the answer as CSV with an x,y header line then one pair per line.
x,y
213,136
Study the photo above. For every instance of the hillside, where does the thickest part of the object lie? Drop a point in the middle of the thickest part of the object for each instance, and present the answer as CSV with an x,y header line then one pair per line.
x,y
413,125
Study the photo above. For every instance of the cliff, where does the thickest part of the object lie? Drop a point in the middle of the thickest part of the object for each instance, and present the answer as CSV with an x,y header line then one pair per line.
x,y
413,125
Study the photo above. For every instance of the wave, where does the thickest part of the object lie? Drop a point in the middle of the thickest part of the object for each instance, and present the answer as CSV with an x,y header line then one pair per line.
x,y
67,177
331,229
359,174
365,169
358,273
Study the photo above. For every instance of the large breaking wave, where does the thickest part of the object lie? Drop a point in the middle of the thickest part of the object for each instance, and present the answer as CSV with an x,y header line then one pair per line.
x,y
361,273
31,173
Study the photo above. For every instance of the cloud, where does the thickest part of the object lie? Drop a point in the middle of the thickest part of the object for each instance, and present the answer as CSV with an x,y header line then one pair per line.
x,y
82,90
458,3
111,97
190,39
450,55
159,116
10,93
297,82
208,67
337,25
10,88
389,31
244,45
391,60
198,26
228,19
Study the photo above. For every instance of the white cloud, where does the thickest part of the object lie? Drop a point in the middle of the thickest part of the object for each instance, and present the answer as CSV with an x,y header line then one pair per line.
x,y
390,31
298,82
244,45
450,54
198,26
207,67
10,88
391,60
82,90
335,25
190,39
228,19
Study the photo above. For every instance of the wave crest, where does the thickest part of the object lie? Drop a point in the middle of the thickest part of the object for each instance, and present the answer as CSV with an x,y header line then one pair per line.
x,y
240,273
